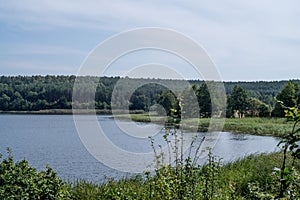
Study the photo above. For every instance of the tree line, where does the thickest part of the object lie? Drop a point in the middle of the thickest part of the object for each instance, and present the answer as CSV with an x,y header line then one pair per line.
x,y
241,104
31,93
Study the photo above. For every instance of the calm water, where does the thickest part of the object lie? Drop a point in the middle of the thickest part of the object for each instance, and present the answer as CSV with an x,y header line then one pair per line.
x,y
53,140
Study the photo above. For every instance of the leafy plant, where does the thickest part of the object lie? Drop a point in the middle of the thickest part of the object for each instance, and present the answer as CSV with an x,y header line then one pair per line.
x,y
289,177
179,176
20,181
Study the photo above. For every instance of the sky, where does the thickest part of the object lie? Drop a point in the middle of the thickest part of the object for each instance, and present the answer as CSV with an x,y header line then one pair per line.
x,y
247,40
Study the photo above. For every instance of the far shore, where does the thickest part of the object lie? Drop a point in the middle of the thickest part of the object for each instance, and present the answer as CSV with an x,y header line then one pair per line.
x,y
277,127
59,112
70,112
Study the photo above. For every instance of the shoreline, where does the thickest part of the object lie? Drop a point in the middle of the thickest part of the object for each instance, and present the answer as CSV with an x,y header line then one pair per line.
x,y
276,127
67,112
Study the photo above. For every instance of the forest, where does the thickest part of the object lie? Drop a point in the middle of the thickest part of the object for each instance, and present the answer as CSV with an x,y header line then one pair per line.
x,y
33,93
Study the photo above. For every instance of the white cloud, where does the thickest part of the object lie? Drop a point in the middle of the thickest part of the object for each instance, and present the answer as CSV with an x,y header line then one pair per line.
x,y
37,49
235,33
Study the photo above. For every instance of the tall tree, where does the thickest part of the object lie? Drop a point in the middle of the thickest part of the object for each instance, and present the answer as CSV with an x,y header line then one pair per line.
x,y
168,100
4,102
238,101
204,100
139,102
253,107
289,96
189,103
264,110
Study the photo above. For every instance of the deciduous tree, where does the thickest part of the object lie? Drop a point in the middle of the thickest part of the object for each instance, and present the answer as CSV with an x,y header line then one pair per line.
x,y
238,101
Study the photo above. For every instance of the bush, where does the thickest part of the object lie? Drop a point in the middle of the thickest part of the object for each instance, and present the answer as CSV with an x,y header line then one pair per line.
x,y
20,181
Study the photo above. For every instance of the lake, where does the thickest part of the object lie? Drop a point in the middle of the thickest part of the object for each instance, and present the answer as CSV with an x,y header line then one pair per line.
x,y
53,140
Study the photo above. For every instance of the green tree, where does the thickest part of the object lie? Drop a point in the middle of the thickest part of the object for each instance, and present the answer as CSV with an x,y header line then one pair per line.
x,y
139,102
62,103
288,95
189,102
253,107
264,110
40,105
32,96
297,93
168,100
204,100
4,102
258,108
17,102
238,102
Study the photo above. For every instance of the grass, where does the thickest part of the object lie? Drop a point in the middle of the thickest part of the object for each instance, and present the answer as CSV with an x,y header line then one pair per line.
x,y
277,127
259,126
143,117
231,181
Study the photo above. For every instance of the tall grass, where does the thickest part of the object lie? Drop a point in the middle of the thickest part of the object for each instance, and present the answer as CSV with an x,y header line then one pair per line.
x,y
258,126
237,180
277,127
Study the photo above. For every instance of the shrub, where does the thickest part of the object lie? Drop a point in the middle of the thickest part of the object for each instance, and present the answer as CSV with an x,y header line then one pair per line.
x,y
20,181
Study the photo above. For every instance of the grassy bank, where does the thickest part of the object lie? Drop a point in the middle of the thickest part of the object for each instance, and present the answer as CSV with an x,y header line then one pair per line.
x,y
257,126
143,117
247,178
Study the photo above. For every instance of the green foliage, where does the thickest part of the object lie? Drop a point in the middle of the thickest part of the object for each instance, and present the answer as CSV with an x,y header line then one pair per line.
x,y
185,178
189,103
286,178
289,96
289,177
25,93
4,102
33,93
264,110
20,181
130,188
204,101
265,91
140,102
238,101
22,93
169,101
258,109
247,178
258,126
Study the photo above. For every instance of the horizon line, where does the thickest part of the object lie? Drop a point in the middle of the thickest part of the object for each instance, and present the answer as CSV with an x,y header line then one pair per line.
x,y
117,76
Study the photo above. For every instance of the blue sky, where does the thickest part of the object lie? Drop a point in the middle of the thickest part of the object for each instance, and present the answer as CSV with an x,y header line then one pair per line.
x,y
248,40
